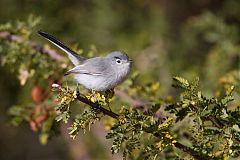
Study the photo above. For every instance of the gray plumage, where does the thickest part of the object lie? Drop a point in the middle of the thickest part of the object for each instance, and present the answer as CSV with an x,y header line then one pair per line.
x,y
98,73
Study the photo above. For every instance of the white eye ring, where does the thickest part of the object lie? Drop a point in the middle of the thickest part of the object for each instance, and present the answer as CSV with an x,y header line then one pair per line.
x,y
118,61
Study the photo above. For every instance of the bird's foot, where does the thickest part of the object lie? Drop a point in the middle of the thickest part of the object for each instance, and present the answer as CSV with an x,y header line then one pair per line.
x,y
77,90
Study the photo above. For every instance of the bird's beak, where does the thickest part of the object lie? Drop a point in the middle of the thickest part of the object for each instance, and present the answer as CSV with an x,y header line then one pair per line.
x,y
130,60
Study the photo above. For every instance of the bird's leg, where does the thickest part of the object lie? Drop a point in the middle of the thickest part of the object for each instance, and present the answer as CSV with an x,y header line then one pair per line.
x,y
77,89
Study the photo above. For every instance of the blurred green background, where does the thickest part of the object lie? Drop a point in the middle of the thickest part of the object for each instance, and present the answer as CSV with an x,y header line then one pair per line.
x,y
165,38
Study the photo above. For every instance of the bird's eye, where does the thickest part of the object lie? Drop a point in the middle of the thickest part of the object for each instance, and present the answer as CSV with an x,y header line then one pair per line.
x,y
118,61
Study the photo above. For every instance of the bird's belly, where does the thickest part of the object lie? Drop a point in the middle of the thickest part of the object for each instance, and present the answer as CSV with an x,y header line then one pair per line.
x,y
97,83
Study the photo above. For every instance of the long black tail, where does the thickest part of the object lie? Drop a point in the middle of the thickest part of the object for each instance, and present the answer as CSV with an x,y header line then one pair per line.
x,y
73,56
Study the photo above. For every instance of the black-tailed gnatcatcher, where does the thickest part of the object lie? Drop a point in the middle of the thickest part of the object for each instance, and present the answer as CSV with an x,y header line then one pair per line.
x,y
98,73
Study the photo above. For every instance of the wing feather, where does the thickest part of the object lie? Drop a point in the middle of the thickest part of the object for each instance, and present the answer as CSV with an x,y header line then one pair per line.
x,y
94,66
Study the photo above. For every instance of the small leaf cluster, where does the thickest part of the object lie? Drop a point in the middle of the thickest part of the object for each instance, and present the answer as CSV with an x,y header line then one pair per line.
x,y
103,98
84,121
65,96
214,126
19,113
134,126
20,57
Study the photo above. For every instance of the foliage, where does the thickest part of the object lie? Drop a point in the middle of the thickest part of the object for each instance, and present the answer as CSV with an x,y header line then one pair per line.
x,y
22,58
162,128
214,127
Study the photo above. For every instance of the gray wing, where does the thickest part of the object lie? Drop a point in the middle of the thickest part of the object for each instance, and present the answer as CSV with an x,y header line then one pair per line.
x,y
73,56
93,66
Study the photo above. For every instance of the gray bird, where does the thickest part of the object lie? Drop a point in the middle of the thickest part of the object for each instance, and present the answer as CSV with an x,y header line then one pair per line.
x,y
98,73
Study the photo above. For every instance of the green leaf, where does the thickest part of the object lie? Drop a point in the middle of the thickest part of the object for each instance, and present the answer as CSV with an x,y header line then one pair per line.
x,y
181,82
236,127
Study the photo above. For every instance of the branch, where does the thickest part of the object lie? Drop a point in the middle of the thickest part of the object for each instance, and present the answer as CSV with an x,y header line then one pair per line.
x,y
107,112
190,151
219,125
97,106
216,122
18,39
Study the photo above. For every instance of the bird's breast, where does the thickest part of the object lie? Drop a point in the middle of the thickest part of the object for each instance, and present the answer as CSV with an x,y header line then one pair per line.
x,y
97,83
102,82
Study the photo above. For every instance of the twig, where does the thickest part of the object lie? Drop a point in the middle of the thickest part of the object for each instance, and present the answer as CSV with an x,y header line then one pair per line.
x,y
190,151
219,125
180,146
15,38
97,107
215,122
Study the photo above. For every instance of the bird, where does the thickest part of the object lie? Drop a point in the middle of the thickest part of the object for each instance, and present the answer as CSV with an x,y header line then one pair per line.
x,y
97,73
